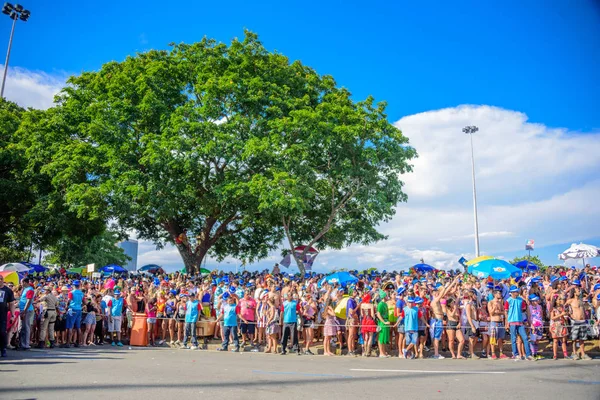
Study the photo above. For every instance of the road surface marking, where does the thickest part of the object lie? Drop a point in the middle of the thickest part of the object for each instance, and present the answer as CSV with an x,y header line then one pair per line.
x,y
301,374
422,371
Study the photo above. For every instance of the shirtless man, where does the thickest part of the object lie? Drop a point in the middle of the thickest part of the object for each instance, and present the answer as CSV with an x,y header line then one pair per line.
x,y
473,323
273,295
497,329
132,308
579,324
437,321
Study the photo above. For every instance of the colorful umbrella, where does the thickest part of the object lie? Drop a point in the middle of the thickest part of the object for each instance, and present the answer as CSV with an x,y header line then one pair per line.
x,y
478,259
151,268
497,269
10,276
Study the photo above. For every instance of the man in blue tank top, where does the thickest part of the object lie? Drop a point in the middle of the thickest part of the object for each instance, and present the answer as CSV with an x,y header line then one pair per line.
x,y
513,309
74,315
411,316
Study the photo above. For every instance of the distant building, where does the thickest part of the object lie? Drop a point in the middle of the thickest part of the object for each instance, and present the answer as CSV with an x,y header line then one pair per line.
x,y
130,247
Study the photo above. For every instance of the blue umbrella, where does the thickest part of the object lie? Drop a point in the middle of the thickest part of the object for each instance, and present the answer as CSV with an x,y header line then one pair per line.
x,y
343,278
35,267
152,268
110,268
527,265
497,269
423,268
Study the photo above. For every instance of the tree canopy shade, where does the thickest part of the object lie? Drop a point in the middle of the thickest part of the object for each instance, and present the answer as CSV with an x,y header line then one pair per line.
x,y
226,149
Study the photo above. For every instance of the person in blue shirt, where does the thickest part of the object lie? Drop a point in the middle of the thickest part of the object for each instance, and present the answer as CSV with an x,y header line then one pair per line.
x,y
229,315
514,316
74,315
114,313
27,313
193,307
411,316
290,323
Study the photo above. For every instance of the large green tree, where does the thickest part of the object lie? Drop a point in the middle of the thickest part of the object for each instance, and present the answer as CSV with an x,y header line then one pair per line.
x,y
163,142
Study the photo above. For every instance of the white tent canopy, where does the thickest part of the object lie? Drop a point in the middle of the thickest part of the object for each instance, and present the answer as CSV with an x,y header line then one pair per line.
x,y
579,251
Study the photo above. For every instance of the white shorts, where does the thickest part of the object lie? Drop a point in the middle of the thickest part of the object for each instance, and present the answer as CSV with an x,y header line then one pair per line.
x,y
115,325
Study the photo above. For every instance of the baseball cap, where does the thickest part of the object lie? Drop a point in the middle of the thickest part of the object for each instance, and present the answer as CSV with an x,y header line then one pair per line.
x,y
596,287
410,299
577,282
534,297
117,292
490,285
400,290
226,296
76,283
513,289
553,279
418,300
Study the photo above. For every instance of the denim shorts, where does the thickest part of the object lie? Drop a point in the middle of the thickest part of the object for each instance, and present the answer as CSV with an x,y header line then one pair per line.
x,y
74,319
411,337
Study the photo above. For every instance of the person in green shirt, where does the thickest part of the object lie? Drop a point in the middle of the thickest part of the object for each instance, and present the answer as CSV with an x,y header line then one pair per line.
x,y
383,326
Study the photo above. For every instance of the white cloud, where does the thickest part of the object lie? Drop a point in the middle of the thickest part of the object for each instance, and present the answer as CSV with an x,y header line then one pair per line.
x,y
34,89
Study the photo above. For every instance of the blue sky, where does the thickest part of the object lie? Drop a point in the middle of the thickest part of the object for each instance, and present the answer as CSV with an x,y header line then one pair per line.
x,y
528,68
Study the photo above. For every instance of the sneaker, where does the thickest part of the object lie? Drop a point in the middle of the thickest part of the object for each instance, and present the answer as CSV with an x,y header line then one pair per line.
x,y
425,348
404,352
504,357
177,342
120,344
237,349
530,358
254,350
439,357
483,354
182,346
161,342
473,357
113,344
586,357
171,343
384,356
494,357
194,348
308,353
221,348
573,357
283,353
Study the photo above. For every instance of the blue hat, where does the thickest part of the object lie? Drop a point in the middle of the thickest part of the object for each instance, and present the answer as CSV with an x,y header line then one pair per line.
x,y
562,279
596,287
76,283
231,289
418,300
598,296
225,296
241,282
400,290
405,273
410,299
490,285
437,286
553,279
573,267
576,282
277,289
513,289
173,292
423,280
156,281
497,288
535,279
117,292
250,284
534,297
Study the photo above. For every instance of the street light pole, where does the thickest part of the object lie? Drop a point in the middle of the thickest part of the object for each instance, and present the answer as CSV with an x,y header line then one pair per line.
x,y
470,130
14,12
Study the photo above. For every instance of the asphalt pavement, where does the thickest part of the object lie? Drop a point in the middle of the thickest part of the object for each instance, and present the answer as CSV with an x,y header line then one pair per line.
x,y
147,373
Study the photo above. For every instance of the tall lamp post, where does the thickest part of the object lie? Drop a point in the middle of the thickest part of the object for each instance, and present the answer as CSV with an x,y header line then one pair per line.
x,y
14,12
470,130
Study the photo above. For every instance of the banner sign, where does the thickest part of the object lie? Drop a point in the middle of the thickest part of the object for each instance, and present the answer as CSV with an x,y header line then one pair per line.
x,y
91,268
530,244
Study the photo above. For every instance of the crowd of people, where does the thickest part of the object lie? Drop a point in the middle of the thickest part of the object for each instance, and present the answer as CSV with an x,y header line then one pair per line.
x,y
408,314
